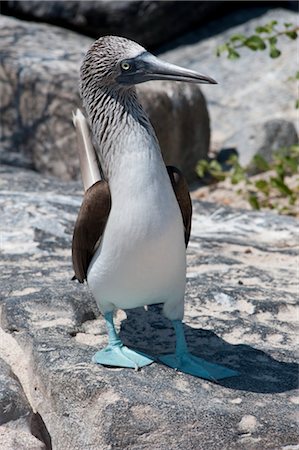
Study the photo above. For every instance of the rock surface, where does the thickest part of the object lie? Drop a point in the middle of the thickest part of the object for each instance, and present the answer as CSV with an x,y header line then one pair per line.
x,y
240,311
263,139
13,403
19,426
251,90
180,118
39,90
38,80
237,195
143,21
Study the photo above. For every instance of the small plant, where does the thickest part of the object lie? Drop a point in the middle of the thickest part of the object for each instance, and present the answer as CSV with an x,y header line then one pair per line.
x,y
265,37
269,189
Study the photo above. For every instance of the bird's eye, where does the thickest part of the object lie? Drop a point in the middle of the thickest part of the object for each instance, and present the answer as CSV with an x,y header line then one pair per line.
x,y
125,66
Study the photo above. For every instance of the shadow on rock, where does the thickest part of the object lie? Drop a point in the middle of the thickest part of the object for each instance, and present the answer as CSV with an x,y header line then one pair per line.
x,y
151,332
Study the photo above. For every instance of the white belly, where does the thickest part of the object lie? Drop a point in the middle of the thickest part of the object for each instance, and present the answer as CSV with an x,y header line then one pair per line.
x,y
141,259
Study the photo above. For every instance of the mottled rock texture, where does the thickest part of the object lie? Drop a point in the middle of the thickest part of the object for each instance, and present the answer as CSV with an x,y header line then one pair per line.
x,y
20,428
39,90
240,311
263,139
149,22
13,403
252,90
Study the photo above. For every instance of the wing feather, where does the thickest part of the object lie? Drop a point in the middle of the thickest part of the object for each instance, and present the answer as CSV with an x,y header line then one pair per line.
x,y
182,194
89,227
96,205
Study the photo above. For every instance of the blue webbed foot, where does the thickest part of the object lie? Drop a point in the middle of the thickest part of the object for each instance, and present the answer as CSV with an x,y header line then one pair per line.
x,y
184,361
118,355
121,356
197,367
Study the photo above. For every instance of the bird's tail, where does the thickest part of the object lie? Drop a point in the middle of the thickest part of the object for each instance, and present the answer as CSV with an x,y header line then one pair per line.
x,y
90,171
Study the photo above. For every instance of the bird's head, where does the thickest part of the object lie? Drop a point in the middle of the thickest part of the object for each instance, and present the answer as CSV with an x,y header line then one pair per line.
x,y
119,62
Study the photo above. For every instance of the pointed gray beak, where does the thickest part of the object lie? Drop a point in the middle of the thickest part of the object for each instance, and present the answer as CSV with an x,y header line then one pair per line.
x,y
146,67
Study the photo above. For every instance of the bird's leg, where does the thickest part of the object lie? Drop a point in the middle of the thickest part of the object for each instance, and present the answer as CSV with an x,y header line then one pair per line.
x,y
113,338
116,354
184,361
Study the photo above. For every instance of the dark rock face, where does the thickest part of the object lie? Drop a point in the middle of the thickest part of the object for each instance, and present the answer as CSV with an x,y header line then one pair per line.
x,y
151,23
181,121
39,90
39,77
240,311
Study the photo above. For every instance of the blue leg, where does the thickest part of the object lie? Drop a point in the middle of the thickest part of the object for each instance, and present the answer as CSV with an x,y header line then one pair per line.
x,y
185,362
116,354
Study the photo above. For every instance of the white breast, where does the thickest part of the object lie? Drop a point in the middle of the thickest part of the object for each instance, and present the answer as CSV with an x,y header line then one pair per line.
x,y
141,259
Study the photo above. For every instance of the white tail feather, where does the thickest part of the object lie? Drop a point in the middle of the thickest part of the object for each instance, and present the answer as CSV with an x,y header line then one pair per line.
x,y
90,171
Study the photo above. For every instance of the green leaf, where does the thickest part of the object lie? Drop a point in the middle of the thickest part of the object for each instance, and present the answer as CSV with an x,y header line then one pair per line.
x,y
292,199
260,163
255,43
291,34
290,163
233,54
201,168
281,186
297,104
280,170
253,200
214,165
238,37
233,160
272,40
221,49
262,29
238,174
263,186
274,52
297,75
268,27
288,25
219,176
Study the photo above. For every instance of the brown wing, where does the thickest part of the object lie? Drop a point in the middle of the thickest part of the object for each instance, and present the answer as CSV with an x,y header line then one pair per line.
x,y
89,227
181,191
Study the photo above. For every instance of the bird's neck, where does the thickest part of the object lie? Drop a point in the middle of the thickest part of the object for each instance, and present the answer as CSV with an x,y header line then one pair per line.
x,y
120,127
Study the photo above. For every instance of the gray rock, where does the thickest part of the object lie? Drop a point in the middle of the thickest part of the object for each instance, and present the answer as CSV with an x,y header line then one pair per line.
x,y
15,435
252,90
39,91
240,311
180,118
13,403
263,139
19,426
150,23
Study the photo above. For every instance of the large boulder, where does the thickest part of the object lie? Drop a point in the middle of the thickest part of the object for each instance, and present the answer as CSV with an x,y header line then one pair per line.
x,y
150,23
252,90
39,90
240,311
180,118
263,138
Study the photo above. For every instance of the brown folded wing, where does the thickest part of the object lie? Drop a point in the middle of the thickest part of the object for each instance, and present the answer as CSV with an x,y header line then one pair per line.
x,y
181,191
89,227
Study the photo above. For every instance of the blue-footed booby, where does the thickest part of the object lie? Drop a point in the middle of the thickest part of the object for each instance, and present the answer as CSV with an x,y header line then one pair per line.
x,y
133,227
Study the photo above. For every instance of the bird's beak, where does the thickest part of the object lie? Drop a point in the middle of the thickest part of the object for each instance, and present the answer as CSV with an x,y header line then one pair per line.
x,y
146,67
